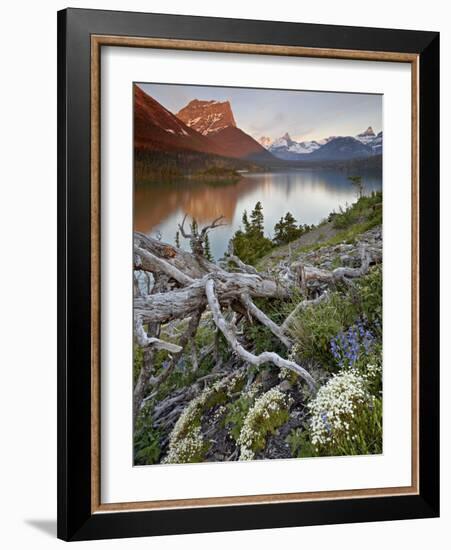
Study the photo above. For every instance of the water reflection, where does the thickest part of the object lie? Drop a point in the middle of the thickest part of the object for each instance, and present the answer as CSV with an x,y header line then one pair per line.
x,y
309,195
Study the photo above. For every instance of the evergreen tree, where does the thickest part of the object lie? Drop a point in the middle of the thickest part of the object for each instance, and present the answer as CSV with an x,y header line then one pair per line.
x,y
251,244
194,228
194,242
207,249
357,182
246,223
291,229
279,231
286,229
257,219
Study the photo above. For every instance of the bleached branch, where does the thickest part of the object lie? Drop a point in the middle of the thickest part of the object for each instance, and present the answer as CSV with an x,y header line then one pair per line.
x,y
150,262
146,341
265,357
265,320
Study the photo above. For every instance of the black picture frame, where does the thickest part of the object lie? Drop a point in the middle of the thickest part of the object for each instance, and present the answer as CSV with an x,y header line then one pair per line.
x,y
75,518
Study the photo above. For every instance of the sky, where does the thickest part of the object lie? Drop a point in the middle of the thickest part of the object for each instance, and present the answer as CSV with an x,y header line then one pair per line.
x,y
305,115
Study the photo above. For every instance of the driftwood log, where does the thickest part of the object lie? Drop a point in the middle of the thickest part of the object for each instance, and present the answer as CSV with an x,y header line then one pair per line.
x,y
185,284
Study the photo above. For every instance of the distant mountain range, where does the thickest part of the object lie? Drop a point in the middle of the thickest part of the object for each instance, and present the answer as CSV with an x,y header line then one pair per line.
x,y
209,127
330,148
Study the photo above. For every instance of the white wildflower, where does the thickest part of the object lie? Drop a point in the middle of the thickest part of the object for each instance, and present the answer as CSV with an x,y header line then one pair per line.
x,y
272,401
335,404
373,371
186,440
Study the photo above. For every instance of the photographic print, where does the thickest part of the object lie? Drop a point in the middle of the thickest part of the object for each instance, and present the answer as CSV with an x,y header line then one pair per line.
x,y
257,274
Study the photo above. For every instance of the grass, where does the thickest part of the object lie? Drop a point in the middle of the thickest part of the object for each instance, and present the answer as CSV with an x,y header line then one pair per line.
x,y
314,327
357,218
347,236
349,224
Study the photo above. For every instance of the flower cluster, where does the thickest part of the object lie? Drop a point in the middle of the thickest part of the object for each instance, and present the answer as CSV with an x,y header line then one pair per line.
x,y
186,443
335,406
219,413
186,448
373,371
268,413
292,354
348,346
285,374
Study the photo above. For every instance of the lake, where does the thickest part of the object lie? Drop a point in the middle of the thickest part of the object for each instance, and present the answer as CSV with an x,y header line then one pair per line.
x,y
310,195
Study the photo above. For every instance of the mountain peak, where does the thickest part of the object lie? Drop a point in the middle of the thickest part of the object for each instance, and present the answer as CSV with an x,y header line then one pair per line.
x,y
265,141
207,116
368,132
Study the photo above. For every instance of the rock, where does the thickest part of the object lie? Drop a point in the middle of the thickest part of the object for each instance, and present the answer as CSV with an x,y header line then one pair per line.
x,y
285,386
349,261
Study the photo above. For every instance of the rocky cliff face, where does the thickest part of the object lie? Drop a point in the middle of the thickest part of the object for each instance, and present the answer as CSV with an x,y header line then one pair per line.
x,y
207,117
215,121
367,136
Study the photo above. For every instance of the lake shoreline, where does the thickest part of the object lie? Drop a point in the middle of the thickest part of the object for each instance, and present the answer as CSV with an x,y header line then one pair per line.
x,y
309,195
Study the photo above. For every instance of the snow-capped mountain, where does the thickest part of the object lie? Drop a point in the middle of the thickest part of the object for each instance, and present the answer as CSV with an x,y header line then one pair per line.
x,y
376,144
326,140
289,149
207,117
329,148
342,148
367,136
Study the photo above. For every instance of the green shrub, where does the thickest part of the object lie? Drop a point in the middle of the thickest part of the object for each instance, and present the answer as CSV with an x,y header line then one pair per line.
x,y
146,439
369,293
236,413
344,218
262,339
300,444
137,362
366,209
315,326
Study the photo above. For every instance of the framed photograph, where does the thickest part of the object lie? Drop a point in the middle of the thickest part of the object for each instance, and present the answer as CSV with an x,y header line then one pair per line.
x,y
248,274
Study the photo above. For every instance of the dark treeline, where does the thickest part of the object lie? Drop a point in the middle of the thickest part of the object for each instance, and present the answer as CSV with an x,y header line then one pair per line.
x,y
157,165
153,166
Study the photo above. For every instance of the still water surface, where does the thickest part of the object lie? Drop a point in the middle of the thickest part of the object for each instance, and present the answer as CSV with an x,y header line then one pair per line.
x,y
310,195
